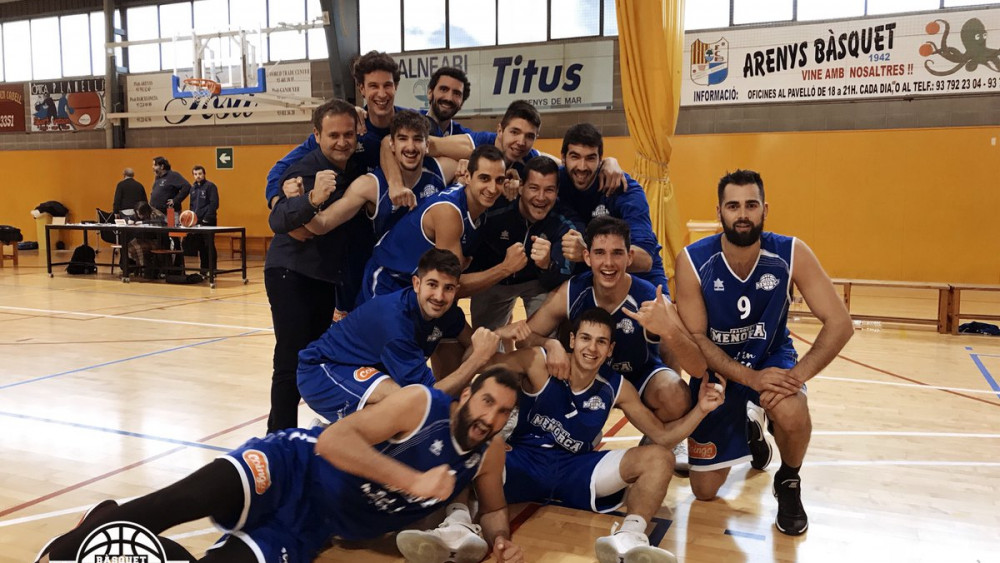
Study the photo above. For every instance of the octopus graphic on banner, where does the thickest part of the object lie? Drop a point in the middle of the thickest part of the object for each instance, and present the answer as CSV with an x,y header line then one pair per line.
x,y
67,105
709,61
973,39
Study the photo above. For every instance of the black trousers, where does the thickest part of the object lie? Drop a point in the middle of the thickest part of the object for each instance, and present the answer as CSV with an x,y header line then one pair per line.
x,y
301,311
196,244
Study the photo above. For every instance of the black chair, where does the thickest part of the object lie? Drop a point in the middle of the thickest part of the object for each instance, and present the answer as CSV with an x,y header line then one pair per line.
x,y
110,236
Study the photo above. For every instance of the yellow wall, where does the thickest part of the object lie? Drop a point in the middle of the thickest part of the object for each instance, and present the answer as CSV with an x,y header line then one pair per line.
x,y
898,204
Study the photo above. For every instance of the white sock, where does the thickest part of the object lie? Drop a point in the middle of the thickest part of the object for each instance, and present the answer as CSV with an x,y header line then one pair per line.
x,y
634,523
458,513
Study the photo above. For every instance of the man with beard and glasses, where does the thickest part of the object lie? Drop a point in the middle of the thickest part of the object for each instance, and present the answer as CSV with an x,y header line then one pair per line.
x,y
447,91
733,294
384,344
285,496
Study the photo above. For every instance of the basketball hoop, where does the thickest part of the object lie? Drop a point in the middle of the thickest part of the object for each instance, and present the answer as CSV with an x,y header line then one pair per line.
x,y
203,87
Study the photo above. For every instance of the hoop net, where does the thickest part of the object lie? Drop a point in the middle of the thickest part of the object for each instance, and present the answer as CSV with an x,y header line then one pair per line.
x,y
202,87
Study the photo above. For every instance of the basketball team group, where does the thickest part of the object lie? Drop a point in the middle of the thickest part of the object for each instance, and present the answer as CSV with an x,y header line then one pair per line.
x,y
383,219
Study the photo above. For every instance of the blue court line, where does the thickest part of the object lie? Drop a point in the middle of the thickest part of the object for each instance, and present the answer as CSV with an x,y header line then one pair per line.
x,y
116,431
77,370
738,534
986,374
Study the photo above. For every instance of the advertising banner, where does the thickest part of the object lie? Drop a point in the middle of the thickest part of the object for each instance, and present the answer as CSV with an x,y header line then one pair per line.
x,y
67,105
11,107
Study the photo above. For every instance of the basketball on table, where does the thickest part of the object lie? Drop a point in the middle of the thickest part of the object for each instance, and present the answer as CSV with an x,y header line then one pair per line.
x,y
188,218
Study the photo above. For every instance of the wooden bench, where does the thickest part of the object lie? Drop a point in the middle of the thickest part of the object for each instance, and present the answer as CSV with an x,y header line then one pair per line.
x,y
955,314
252,241
944,301
4,255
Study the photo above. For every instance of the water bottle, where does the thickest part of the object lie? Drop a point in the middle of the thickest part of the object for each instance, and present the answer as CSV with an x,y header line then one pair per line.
x,y
170,213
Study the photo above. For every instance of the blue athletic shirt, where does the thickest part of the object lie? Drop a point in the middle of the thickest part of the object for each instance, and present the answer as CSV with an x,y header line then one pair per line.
x,y
489,138
361,509
636,354
558,417
389,334
400,249
386,215
454,127
747,318
629,205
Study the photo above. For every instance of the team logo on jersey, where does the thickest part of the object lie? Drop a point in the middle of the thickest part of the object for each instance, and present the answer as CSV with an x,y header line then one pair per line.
x,y
767,282
594,404
709,61
600,211
473,460
435,335
504,235
428,191
719,286
256,460
755,331
697,450
626,326
436,447
364,374
622,367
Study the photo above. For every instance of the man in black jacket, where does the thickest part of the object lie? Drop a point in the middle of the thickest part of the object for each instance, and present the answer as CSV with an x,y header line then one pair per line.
x,y
168,185
128,193
205,204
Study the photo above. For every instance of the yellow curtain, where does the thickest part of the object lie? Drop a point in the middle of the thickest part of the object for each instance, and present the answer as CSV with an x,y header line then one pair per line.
x,y
650,41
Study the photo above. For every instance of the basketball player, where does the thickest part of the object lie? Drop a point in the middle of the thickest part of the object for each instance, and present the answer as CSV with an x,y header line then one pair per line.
x,y
384,344
733,294
283,497
447,91
424,177
552,457
638,354
448,220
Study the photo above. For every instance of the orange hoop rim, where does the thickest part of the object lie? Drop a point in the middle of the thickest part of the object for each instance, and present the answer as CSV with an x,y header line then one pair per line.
x,y
213,87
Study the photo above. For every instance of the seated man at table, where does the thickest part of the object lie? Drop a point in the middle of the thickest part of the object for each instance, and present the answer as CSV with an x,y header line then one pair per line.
x,y
141,245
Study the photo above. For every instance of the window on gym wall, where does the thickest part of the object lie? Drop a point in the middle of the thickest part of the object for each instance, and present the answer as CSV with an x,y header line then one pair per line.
x,y
610,18
176,24
706,14
759,11
209,16
423,25
876,7
316,38
143,23
251,15
515,26
46,61
575,18
473,23
286,45
75,42
959,3
380,22
97,58
17,51
825,10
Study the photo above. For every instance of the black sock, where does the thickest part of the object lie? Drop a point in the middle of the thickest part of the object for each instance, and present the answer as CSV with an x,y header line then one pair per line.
x,y
786,472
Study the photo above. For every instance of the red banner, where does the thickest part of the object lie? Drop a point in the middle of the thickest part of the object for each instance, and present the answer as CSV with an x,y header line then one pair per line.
x,y
11,107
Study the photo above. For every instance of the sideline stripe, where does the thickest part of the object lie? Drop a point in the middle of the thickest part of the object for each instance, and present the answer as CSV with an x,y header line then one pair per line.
x,y
905,462
859,433
986,374
911,385
896,375
739,534
128,318
122,469
116,431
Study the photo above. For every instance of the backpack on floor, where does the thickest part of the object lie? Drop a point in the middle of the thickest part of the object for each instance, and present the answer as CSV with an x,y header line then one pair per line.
x,y
83,261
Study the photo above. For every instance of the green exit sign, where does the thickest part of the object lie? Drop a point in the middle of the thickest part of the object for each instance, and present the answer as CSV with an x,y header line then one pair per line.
x,y
223,158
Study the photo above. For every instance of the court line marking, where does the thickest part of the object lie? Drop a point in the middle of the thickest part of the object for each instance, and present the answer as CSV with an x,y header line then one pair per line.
x,y
55,513
117,431
858,433
898,384
986,374
739,534
124,468
903,462
129,318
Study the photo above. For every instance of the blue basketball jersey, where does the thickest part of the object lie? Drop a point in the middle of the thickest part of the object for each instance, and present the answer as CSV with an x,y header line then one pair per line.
x,y
480,138
386,215
359,508
400,249
556,416
387,333
747,317
636,355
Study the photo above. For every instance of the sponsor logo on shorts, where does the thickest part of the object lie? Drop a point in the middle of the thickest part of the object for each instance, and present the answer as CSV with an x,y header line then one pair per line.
x,y
260,468
697,450
767,282
364,374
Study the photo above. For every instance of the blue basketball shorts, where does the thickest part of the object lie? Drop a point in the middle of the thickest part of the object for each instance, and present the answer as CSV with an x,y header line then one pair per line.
x,y
545,475
335,390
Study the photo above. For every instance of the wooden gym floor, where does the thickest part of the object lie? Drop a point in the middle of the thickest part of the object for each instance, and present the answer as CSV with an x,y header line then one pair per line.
x,y
110,390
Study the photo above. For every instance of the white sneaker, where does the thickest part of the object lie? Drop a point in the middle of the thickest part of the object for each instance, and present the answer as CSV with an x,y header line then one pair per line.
x,y
449,542
630,547
682,464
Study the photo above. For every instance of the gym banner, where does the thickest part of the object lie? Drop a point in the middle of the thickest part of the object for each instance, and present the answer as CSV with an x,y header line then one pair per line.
x,y
563,76
67,105
153,94
11,107
933,53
